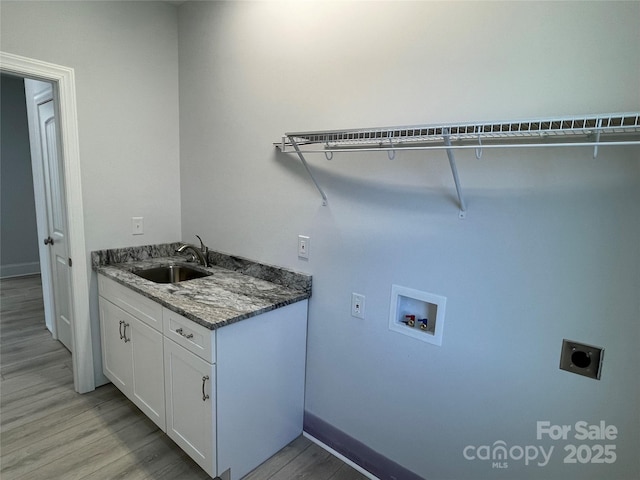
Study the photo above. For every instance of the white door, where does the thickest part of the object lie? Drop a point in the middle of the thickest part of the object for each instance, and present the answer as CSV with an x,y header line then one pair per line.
x,y
53,228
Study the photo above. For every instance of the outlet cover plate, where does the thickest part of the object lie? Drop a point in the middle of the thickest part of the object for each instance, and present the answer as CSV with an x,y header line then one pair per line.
x,y
357,305
581,359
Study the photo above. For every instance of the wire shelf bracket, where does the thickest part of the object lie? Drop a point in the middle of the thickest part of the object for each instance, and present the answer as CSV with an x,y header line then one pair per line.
x,y
595,131
294,144
454,172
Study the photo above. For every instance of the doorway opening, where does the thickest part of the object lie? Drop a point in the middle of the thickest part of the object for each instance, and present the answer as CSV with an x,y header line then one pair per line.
x,y
71,268
23,263
19,255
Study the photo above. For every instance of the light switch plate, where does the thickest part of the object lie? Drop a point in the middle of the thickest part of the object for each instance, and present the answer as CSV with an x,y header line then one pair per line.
x,y
137,225
303,246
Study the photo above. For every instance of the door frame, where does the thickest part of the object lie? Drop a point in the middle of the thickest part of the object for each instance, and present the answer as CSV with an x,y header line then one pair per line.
x,y
63,79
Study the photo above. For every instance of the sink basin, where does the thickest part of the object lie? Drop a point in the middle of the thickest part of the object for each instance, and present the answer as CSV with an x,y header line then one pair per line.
x,y
171,274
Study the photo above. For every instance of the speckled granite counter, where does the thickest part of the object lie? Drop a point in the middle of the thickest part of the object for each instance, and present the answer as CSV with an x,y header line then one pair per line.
x,y
236,289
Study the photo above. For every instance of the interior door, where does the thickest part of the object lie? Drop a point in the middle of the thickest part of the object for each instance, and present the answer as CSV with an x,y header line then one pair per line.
x,y
55,230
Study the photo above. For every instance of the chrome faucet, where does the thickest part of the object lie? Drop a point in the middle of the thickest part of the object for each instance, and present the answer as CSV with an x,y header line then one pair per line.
x,y
200,253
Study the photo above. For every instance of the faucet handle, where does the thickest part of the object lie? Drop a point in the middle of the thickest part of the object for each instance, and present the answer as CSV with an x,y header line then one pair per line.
x,y
203,247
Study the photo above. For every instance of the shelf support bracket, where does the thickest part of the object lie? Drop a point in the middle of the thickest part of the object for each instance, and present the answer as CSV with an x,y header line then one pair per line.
x,y
599,129
306,166
454,171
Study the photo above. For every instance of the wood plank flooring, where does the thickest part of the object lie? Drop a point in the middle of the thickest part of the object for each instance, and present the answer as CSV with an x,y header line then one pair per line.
x,y
47,431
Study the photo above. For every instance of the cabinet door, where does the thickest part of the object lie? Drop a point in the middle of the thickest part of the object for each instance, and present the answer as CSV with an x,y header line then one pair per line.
x,y
116,353
190,402
148,373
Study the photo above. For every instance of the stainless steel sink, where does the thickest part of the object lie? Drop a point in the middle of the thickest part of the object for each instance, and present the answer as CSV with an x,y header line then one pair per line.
x,y
171,274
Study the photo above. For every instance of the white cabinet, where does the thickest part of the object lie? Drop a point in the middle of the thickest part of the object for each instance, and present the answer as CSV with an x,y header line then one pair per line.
x,y
190,393
230,397
116,354
132,354
190,397
260,371
147,365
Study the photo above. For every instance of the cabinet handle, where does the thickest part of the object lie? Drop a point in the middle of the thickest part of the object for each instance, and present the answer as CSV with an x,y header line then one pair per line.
x,y
204,395
125,333
120,329
179,331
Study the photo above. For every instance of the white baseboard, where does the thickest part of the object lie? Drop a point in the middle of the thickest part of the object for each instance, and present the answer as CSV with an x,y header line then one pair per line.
x,y
340,456
19,269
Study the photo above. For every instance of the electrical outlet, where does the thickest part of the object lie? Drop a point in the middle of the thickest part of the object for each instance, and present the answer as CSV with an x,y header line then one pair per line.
x,y
303,246
581,358
357,305
137,227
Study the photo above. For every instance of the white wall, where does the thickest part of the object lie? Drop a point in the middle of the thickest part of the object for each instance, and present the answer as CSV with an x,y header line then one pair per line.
x,y
550,248
19,236
126,71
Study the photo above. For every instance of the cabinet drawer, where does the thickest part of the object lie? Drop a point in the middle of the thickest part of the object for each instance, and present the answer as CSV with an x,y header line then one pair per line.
x,y
190,335
137,305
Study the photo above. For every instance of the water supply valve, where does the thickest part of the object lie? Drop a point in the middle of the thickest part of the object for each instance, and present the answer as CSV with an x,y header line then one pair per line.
x,y
410,320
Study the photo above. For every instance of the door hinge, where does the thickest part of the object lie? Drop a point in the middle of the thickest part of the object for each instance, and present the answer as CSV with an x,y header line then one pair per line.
x,y
70,263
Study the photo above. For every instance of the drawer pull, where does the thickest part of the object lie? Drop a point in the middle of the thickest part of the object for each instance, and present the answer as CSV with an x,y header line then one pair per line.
x,y
120,329
204,395
179,331
125,333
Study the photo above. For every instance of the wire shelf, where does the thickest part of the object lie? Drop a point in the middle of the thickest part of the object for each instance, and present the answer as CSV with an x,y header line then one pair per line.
x,y
585,131
538,129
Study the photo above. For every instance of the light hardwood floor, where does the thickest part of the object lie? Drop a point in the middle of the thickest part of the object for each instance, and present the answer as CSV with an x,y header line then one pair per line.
x,y
47,431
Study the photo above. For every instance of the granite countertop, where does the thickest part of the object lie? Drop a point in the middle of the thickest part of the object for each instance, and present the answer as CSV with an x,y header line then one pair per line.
x,y
231,293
